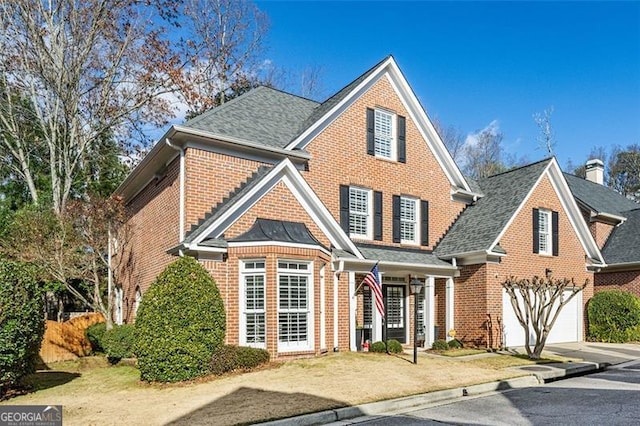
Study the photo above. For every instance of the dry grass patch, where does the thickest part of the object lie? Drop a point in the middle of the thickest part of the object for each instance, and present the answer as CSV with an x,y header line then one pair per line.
x,y
98,394
461,352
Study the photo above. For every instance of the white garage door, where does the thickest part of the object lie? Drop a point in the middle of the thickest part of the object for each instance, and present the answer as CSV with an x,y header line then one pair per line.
x,y
568,326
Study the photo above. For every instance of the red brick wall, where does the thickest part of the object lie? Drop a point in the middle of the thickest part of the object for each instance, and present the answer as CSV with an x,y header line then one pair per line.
x,y
340,157
153,228
209,178
600,231
626,281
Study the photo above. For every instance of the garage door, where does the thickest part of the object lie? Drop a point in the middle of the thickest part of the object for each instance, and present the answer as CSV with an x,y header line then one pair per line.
x,y
568,326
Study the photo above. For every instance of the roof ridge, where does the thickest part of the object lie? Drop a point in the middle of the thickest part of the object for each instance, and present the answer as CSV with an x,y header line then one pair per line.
x,y
519,168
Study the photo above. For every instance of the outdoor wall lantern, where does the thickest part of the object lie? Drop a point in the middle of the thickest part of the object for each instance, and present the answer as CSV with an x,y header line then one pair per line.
x,y
416,288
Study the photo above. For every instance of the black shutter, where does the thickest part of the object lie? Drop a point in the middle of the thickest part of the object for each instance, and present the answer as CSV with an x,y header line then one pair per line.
x,y
396,218
424,222
371,143
377,215
554,232
344,208
536,232
402,139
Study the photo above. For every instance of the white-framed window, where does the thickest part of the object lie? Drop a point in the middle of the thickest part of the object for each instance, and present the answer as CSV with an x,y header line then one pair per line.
x,y
252,303
384,134
295,314
137,300
544,232
408,220
360,217
118,308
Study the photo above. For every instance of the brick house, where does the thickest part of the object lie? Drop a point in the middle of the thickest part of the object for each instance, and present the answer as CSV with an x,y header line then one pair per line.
x,y
288,203
614,222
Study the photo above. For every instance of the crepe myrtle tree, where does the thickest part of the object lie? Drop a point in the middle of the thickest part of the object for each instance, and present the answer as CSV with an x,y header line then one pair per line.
x,y
537,303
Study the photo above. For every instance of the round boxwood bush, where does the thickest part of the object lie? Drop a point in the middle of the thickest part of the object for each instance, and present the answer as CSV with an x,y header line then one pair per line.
x,y
614,316
440,345
231,358
180,324
395,347
378,347
118,342
21,322
455,344
94,335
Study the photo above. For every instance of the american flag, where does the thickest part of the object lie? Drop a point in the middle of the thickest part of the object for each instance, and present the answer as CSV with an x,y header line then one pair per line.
x,y
373,281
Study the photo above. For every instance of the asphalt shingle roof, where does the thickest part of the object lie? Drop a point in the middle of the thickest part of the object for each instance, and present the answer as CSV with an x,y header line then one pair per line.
x,y
263,115
400,255
623,245
479,224
599,198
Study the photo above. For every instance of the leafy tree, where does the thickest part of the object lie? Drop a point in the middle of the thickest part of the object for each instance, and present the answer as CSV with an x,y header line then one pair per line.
x,y
21,322
537,303
614,316
180,323
624,171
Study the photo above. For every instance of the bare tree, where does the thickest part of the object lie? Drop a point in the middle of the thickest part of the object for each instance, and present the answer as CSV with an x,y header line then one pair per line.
x,y
624,171
546,139
537,304
453,139
71,71
223,42
483,153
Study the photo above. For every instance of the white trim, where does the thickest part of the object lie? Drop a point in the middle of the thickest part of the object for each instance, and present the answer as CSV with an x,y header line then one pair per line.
x,y
309,344
390,69
430,314
369,213
353,306
287,173
278,244
417,223
336,284
393,143
450,310
323,305
242,322
548,233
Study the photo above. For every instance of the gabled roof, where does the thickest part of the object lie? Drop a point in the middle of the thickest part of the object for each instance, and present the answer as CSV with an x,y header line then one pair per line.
x,y
598,198
210,231
479,225
263,115
623,245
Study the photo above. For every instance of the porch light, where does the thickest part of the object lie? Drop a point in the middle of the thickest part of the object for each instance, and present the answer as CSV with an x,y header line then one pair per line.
x,y
416,288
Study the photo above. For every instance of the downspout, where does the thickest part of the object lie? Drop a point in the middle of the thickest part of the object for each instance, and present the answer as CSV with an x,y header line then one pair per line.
x,y
182,192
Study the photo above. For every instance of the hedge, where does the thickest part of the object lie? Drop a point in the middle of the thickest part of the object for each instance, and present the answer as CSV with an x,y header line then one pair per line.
x,y
614,316
118,342
231,358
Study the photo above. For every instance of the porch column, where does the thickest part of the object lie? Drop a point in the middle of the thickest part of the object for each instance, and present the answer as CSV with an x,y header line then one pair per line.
x,y
353,305
450,307
429,311
336,284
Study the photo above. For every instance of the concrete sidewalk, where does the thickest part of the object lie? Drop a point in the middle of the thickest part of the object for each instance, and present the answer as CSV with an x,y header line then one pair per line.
x,y
595,357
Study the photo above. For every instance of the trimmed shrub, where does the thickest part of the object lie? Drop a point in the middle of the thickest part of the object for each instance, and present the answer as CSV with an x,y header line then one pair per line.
x,y
440,345
455,344
180,324
378,347
231,358
21,322
118,342
395,347
94,335
614,316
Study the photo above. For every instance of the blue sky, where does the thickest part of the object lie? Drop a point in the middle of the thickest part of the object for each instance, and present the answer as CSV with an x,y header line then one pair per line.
x,y
471,63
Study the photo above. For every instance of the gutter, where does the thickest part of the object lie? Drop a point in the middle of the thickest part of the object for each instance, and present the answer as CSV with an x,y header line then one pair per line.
x,y
608,217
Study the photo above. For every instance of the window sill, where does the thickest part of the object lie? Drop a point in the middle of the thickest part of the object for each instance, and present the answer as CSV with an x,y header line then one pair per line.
x,y
387,160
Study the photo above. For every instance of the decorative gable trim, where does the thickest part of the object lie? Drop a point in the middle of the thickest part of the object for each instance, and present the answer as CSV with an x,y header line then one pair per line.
x,y
287,173
569,205
389,69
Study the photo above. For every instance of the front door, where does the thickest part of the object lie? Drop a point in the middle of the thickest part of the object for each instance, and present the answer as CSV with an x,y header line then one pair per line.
x,y
395,309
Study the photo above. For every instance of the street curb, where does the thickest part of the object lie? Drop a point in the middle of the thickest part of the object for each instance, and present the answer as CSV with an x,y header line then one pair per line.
x,y
373,408
558,371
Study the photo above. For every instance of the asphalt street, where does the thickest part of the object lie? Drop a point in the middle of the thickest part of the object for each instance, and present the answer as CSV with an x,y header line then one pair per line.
x,y
611,397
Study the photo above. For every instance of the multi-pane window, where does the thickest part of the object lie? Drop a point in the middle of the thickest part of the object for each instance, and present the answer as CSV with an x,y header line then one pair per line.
x,y
383,130
294,288
360,212
253,303
544,232
408,220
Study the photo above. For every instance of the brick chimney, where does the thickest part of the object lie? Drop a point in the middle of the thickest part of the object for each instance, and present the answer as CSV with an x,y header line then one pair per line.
x,y
595,171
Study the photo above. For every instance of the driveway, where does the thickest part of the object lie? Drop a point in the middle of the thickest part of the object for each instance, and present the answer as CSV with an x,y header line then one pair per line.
x,y
608,397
